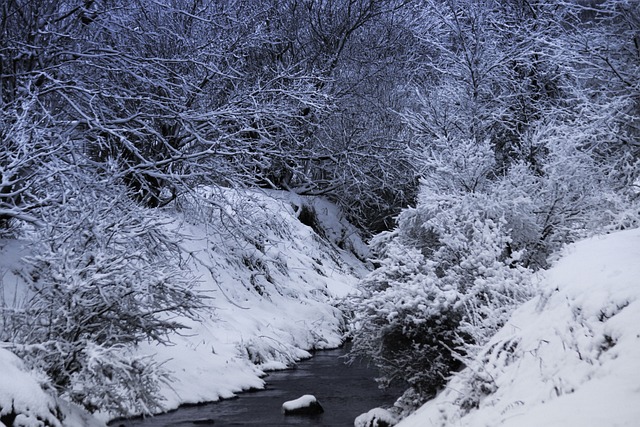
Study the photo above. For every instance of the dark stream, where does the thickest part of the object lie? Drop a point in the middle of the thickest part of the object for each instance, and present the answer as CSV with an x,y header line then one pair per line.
x,y
345,391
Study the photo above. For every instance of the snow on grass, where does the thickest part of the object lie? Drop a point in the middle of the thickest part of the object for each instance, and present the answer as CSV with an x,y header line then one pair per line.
x,y
569,357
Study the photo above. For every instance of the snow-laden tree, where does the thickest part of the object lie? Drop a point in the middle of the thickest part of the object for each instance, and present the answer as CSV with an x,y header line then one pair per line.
x,y
170,93
26,160
361,53
602,46
274,94
104,276
491,71
525,79
449,274
518,155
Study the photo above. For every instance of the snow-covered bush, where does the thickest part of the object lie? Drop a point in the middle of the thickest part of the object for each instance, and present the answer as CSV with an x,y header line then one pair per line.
x,y
405,322
104,276
462,260
449,275
569,356
419,314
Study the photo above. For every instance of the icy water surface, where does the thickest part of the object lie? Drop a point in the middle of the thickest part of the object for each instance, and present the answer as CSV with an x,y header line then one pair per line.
x,y
345,391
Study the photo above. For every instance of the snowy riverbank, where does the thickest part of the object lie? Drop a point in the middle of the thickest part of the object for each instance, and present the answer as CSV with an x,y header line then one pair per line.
x,y
569,357
271,293
271,280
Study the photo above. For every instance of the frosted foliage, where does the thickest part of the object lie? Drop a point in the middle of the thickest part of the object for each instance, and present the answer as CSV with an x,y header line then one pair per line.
x,y
113,379
449,275
417,316
27,166
576,192
460,262
569,356
461,165
103,278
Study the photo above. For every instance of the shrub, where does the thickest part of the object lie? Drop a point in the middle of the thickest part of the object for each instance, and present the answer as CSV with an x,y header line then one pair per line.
x,y
104,276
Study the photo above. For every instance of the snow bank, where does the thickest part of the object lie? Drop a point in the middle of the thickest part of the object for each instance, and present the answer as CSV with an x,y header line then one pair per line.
x,y
271,265
23,401
272,280
569,357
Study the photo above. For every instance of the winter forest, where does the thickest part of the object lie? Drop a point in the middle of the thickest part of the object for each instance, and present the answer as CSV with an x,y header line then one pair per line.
x,y
177,174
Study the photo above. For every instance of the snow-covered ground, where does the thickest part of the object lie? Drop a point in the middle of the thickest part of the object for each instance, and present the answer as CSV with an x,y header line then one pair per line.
x,y
271,280
24,403
271,293
570,357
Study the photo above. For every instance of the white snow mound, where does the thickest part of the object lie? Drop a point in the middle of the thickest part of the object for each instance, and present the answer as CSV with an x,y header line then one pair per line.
x,y
21,395
569,357
376,417
299,403
23,401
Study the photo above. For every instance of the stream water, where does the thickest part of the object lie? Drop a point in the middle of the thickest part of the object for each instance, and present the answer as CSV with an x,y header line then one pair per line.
x,y
345,391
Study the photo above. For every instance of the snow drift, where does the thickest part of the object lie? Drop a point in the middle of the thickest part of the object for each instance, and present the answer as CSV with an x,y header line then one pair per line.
x,y
24,402
569,357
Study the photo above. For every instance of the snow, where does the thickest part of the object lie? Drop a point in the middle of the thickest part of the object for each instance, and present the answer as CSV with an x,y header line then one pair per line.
x,y
569,357
22,395
273,292
299,403
272,283
271,303
375,417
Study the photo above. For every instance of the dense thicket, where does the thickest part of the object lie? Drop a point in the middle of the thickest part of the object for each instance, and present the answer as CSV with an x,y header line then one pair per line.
x,y
511,126
526,135
111,110
297,95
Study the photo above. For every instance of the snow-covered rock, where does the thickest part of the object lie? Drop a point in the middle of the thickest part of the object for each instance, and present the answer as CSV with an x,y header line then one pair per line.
x,y
569,357
304,405
377,417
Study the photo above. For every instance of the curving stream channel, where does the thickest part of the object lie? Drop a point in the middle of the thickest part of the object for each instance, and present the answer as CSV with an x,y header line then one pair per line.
x,y
345,391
